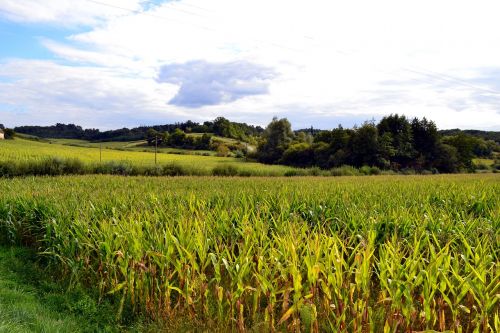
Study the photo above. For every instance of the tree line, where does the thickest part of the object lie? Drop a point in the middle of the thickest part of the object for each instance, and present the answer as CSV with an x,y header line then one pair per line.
x,y
394,143
219,126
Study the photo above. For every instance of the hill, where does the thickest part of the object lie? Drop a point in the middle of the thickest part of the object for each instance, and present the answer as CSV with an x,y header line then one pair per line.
x,y
485,135
20,153
219,126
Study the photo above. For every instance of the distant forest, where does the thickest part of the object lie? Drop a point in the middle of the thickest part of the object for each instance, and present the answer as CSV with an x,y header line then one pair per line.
x,y
220,126
394,143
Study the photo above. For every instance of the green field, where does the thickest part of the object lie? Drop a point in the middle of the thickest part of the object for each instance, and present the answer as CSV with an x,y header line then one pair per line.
x,y
21,150
140,146
354,254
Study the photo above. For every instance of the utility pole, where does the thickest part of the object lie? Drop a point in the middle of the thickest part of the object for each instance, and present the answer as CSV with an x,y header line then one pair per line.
x,y
156,147
100,152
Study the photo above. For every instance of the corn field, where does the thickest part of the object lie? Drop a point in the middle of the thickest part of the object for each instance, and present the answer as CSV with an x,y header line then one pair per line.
x,y
352,254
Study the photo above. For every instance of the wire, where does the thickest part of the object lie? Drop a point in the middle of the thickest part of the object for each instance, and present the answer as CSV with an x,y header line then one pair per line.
x,y
448,78
189,24
421,71
141,12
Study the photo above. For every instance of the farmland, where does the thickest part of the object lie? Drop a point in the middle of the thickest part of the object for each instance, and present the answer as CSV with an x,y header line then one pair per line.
x,y
359,254
28,151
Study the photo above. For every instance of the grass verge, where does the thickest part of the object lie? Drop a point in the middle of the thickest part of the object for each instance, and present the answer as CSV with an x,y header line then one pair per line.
x,y
32,301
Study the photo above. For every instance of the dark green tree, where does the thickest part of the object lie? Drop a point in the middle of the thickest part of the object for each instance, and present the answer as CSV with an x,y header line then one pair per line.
x,y
426,141
152,135
363,146
399,129
9,133
298,154
464,145
177,138
275,140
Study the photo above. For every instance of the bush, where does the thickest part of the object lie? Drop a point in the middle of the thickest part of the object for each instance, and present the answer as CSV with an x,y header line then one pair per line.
x,y
481,166
225,170
239,154
295,172
245,173
369,171
222,150
408,171
315,171
345,170
115,168
173,170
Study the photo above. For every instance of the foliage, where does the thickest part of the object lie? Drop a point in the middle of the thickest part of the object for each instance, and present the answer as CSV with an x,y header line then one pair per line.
x,y
395,143
222,150
275,140
220,126
8,133
485,135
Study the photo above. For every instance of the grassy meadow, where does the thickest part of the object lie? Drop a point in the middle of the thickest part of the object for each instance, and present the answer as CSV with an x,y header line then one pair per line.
x,y
21,151
313,254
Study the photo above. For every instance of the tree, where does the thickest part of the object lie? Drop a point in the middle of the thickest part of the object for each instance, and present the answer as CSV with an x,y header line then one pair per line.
x,y
9,133
177,138
151,136
425,141
205,141
222,127
446,159
275,140
364,146
298,154
464,145
400,131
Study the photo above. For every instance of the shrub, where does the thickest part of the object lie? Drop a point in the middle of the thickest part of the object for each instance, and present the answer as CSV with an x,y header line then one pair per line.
x,y
245,173
408,171
481,166
115,168
239,154
314,171
222,150
292,173
225,170
173,170
345,170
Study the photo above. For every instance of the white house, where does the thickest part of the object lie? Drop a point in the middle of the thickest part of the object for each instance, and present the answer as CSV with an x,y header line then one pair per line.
x,y
2,136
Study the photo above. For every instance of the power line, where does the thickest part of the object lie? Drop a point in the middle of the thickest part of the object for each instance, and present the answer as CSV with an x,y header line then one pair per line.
x,y
189,24
422,72
141,12
448,78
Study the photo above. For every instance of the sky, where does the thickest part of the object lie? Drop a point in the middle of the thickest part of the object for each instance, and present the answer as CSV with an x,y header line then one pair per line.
x,y
123,63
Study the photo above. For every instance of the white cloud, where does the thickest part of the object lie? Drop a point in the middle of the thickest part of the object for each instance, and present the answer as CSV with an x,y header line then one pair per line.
x,y
202,83
358,59
67,12
90,96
